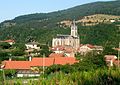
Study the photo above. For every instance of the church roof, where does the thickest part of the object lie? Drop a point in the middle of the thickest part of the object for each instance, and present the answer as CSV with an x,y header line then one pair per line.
x,y
65,36
62,36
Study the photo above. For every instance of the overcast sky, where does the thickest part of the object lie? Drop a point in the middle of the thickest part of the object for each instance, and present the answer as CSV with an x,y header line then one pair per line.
x,y
10,9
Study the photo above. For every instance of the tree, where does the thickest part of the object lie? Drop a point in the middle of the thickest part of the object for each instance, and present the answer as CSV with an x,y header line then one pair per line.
x,y
17,53
3,56
45,50
5,45
19,46
53,69
10,73
19,49
90,62
109,51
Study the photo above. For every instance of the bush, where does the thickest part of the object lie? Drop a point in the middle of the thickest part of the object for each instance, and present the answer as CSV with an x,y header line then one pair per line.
x,y
5,45
17,53
45,50
10,73
19,46
3,56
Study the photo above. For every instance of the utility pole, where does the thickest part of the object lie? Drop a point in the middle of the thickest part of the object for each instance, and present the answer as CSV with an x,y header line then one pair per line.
x,y
118,55
4,81
43,64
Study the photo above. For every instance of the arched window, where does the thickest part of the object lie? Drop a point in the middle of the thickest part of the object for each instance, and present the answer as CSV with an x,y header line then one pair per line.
x,y
57,42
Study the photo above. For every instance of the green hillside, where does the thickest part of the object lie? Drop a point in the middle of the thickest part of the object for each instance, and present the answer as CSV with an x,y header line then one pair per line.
x,y
111,7
41,25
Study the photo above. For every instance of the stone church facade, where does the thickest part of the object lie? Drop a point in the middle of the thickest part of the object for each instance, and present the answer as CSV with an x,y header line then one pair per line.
x,y
68,40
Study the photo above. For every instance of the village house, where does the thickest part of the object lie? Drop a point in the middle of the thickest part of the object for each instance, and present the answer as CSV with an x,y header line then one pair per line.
x,y
32,45
83,49
58,49
110,60
112,20
86,48
31,68
68,51
54,55
117,63
11,42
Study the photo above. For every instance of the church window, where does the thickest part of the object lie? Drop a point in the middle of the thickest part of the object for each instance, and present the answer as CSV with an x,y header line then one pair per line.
x,y
58,43
70,41
72,27
54,43
75,33
72,32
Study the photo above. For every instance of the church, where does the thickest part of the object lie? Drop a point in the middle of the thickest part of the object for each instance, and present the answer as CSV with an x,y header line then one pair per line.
x,y
68,40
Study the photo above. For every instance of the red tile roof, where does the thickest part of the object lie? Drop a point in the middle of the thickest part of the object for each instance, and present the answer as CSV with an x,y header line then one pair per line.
x,y
110,57
116,62
69,50
42,61
56,55
118,49
17,64
66,48
65,60
61,48
38,62
9,41
88,45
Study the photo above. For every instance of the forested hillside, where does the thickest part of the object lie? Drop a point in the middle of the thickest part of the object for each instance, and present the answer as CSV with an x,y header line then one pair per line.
x,y
41,25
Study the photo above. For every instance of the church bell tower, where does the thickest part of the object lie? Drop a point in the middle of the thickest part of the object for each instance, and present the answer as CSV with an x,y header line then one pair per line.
x,y
74,29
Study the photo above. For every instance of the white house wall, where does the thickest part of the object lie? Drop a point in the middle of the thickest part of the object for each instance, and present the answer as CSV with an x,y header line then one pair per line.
x,y
28,75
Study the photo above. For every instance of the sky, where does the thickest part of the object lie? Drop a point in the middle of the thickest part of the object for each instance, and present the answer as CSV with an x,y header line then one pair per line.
x,y
9,9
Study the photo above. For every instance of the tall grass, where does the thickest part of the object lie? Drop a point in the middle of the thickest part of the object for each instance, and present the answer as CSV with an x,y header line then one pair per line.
x,y
96,77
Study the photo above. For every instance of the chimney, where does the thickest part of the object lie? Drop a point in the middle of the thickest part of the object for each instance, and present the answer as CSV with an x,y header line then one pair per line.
x,y
111,63
57,49
10,59
30,58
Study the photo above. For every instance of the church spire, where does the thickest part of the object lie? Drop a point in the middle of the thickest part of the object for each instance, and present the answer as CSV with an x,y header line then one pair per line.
x,y
74,29
74,22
